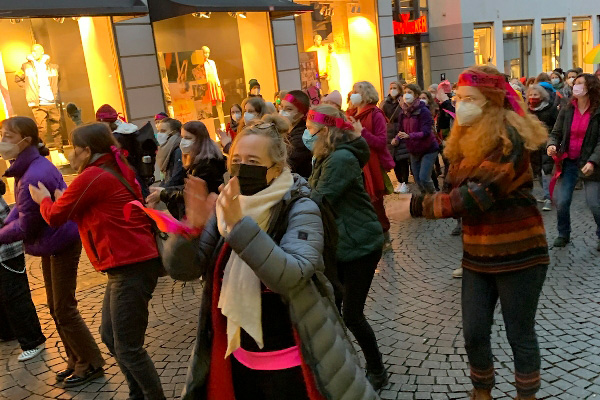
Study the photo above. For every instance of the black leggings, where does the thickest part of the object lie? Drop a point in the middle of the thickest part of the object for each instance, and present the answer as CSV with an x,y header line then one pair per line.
x,y
356,276
402,169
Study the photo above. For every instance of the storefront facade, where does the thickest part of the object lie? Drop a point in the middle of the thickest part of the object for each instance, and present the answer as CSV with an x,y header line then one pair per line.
x,y
520,38
411,34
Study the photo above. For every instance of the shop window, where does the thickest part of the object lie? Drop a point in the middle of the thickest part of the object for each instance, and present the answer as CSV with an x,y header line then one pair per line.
x,y
407,63
552,41
482,38
338,45
517,49
206,63
48,63
581,43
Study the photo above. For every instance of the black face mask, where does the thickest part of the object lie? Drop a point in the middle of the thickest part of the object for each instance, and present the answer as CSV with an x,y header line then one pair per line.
x,y
253,178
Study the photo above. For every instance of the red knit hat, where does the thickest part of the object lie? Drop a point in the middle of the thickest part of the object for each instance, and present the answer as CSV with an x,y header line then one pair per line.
x,y
106,113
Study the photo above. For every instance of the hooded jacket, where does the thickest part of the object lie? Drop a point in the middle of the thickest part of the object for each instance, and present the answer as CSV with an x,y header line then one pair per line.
x,y
292,268
374,131
25,221
338,178
95,201
27,78
540,158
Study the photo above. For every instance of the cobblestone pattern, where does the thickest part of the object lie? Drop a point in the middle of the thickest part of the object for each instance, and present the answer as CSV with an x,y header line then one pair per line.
x,y
414,307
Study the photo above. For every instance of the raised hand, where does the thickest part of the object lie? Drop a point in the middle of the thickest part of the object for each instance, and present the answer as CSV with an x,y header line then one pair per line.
x,y
199,204
229,202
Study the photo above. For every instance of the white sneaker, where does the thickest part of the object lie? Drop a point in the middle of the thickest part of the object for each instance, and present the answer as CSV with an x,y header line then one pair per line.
x,y
404,188
547,205
457,273
29,354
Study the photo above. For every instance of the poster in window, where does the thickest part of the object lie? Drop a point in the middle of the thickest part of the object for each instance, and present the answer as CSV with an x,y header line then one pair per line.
x,y
309,69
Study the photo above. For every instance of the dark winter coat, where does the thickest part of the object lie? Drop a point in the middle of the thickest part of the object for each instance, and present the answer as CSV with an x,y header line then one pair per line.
x,y
391,108
211,171
416,120
539,158
300,157
338,178
590,149
25,221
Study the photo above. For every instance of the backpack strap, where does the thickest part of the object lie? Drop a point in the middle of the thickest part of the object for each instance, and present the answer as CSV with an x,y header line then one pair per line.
x,y
122,179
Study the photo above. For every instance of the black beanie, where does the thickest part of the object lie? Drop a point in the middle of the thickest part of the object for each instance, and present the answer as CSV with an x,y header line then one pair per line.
x,y
253,83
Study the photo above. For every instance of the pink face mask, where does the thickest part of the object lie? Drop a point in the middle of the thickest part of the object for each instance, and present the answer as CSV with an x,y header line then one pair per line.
x,y
579,90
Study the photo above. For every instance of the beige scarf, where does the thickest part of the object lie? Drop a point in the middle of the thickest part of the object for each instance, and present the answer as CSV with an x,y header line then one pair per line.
x,y
240,299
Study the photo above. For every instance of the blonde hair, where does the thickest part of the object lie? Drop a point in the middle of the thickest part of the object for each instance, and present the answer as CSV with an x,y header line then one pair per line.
x,y
367,91
275,128
476,142
327,143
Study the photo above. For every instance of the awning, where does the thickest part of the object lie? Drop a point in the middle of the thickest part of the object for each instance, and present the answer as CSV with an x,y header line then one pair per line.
x,y
70,8
163,9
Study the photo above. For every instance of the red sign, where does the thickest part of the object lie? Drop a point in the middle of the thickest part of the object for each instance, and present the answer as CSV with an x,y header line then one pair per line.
x,y
406,27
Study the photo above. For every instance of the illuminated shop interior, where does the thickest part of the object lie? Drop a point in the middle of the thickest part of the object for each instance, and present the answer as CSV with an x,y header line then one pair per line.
x,y
338,45
240,49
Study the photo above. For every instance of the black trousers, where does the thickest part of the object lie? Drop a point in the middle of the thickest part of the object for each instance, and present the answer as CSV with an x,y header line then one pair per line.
x,y
402,170
18,317
356,276
124,322
250,384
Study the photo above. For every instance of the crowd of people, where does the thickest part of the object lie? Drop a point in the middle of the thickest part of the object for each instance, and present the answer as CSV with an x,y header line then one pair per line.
x,y
285,223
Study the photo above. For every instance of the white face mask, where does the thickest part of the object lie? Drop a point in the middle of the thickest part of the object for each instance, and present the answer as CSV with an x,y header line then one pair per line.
x,y
162,138
394,93
570,81
186,145
236,116
355,99
285,114
555,81
424,101
248,116
408,98
10,151
467,113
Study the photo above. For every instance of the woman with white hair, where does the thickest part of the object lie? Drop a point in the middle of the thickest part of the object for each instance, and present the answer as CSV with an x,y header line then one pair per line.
x,y
539,104
371,122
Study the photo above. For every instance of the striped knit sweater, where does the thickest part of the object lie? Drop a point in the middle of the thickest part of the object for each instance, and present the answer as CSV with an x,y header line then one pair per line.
x,y
502,227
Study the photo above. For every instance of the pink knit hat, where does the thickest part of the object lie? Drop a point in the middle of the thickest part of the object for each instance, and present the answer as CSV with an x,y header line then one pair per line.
x,y
333,97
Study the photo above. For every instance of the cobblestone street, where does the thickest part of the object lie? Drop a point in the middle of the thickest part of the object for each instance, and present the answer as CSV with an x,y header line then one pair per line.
x,y
414,307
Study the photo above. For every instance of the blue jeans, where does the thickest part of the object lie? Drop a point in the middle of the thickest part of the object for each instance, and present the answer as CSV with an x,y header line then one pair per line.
x,y
421,169
518,292
563,195
546,178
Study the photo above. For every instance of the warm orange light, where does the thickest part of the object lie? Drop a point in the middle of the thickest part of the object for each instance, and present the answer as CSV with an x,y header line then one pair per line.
x,y
362,26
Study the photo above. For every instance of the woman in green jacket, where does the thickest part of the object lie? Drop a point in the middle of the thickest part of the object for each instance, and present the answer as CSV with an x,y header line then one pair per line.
x,y
340,154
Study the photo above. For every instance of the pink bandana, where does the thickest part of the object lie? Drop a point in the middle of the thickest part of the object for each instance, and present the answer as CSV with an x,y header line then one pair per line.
x,y
494,82
298,104
164,222
328,120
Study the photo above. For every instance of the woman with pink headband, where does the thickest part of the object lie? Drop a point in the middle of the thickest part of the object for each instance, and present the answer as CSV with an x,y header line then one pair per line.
x,y
294,107
340,157
505,254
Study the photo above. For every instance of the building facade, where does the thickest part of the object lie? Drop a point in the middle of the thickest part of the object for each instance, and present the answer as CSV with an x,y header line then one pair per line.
x,y
520,38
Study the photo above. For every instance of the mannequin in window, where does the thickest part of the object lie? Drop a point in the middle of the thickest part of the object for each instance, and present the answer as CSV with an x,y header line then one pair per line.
x,y
217,97
39,78
322,55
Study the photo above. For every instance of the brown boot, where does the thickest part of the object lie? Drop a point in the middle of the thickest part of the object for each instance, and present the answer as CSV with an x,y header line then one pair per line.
x,y
481,394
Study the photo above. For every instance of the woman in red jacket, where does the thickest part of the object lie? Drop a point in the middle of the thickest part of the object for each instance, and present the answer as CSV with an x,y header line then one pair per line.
x,y
125,250
372,123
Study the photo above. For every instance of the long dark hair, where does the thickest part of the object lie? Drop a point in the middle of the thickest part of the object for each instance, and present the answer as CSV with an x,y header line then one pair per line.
x,y
98,137
26,127
592,84
203,146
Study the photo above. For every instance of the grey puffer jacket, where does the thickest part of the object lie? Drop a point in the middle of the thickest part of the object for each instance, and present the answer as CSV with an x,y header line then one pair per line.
x,y
293,269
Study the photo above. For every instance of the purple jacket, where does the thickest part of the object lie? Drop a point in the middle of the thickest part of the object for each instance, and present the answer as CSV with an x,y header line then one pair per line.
x,y
25,221
417,121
